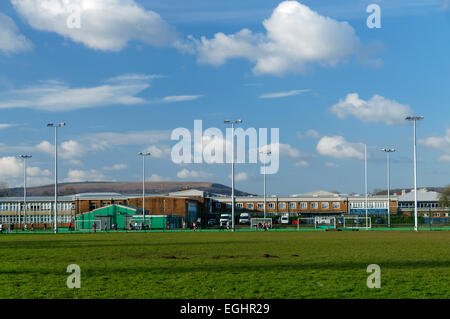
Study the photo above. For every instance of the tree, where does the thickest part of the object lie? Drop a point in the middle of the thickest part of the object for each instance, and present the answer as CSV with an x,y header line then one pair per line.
x,y
444,197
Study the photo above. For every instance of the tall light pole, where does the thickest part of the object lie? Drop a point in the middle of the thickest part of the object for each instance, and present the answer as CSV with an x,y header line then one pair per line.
x,y
366,186
56,126
143,154
388,151
25,157
415,119
232,168
265,153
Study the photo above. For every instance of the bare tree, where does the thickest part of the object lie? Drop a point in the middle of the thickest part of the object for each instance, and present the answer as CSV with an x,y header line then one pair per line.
x,y
444,197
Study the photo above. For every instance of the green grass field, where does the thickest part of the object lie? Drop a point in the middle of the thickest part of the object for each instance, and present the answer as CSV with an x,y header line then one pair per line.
x,y
227,265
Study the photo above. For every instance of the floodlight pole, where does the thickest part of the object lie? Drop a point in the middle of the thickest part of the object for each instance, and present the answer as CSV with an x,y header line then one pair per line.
x,y
415,119
388,151
56,126
232,170
265,201
143,154
365,174
25,157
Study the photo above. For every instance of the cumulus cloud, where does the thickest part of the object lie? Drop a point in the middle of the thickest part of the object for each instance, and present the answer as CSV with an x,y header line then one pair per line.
x,y
185,174
338,147
309,133
158,178
441,143
377,109
107,25
162,151
115,167
67,150
295,37
11,170
56,96
180,98
11,41
92,175
282,94
302,163
239,177
5,126
331,164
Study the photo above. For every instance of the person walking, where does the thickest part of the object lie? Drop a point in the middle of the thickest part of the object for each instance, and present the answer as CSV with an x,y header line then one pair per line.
x,y
95,227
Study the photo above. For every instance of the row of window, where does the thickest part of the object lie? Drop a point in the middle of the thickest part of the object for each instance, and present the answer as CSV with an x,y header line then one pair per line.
x,y
282,205
436,215
421,205
37,219
370,205
15,207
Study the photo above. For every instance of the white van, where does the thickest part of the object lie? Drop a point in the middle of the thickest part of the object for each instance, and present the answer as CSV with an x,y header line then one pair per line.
x,y
244,218
284,219
225,219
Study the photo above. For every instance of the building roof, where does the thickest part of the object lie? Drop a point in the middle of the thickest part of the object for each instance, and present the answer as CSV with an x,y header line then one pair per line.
x,y
37,199
422,196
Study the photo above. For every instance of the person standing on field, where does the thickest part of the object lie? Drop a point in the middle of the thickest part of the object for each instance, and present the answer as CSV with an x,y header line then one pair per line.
x,y
95,227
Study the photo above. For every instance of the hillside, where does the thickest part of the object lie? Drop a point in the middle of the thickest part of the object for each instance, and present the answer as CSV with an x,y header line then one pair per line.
x,y
124,188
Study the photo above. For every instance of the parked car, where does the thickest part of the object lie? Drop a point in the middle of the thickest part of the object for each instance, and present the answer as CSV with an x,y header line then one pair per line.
x,y
284,219
244,218
212,222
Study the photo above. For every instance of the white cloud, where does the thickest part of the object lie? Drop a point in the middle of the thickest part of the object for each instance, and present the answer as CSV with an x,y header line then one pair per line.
x,y
180,98
239,177
377,109
158,178
302,163
159,151
84,176
5,126
67,150
11,41
185,174
444,158
331,164
115,167
11,171
56,96
282,94
440,143
309,133
338,147
107,25
295,38
106,140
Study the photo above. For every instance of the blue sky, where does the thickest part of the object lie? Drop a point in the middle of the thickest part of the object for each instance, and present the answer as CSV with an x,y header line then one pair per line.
x,y
136,70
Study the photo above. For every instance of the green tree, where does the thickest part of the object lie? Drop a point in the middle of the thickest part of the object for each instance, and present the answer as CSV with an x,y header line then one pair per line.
x,y
444,197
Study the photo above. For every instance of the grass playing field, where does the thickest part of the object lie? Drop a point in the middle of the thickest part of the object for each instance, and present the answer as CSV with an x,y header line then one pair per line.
x,y
227,265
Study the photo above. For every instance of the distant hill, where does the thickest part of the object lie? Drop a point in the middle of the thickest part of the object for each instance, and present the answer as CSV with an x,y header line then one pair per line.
x,y
124,188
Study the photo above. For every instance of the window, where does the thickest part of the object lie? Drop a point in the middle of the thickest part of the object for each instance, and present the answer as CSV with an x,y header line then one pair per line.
x,y
336,205
325,205
314,205
260,205
304,205
240,205
293,205
282,205
425,215
436,214
250,206
446,214
271,206
218,205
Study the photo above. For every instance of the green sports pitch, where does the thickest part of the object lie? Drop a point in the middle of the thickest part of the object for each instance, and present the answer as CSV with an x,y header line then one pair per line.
x,y
227,265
